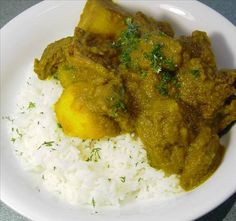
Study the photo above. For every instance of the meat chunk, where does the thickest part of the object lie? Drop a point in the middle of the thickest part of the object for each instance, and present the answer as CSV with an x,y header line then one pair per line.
x,y
165,134
199,46
156,52
203,157
55,54
96,47
150,24
203,92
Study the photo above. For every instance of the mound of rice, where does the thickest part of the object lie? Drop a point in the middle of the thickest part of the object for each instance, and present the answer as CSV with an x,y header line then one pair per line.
x,y
106,172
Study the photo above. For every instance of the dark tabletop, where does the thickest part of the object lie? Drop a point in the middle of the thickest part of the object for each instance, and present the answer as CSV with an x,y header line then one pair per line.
x,y
10,8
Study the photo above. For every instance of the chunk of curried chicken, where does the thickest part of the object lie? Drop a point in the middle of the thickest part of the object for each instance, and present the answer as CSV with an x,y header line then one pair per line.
x,y
203,92
165,134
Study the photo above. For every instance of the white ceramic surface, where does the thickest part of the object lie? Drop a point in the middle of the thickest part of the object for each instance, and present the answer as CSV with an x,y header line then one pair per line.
x,y
25,37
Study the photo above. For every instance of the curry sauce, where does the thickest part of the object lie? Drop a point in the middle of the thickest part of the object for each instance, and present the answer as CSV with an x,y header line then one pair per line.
x,y
128,73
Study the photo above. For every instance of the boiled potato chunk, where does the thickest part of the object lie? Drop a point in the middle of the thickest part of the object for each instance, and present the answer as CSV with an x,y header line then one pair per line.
x,y
77,120
102,17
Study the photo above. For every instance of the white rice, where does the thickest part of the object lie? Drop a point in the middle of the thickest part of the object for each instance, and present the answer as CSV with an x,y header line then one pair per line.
x,y
117,172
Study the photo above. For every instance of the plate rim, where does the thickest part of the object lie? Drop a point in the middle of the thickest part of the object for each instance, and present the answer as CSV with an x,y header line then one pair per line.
x,y
45,4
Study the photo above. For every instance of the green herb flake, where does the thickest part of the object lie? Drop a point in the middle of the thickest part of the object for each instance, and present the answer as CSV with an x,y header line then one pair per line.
x,y
125,57
143,74
94,155
59,125
161,33
176,82
93,203
46,144
13,140
162,88
31,105
127,42
122,179
55,76
140,178
7,118
170,64
18,132
166,76
146,36
195,73
118,106
177,96
156,57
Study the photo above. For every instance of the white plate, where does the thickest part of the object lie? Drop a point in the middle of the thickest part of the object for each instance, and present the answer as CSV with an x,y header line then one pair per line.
x,y
25,37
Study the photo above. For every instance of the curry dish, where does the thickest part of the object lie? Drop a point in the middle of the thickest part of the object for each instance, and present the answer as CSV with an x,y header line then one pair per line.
x,y
127,73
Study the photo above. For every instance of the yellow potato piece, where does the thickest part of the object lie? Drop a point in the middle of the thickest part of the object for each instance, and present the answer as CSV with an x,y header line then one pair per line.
x,y
103,17
77,120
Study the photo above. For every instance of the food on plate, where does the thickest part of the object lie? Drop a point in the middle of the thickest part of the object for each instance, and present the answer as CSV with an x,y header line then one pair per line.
x,y
128,73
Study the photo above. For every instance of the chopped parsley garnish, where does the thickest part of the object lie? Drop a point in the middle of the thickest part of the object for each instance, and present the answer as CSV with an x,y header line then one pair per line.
x,y
140,178
162,88
125,57
7,118
161,33
128,41
115,101
46,144
146,36
93,202
94,155
177,96
122,179
13,139
143,74
176,82
55,76
118,106
158,59
166,76
195,73
59,125
31,105
170,64
18,132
